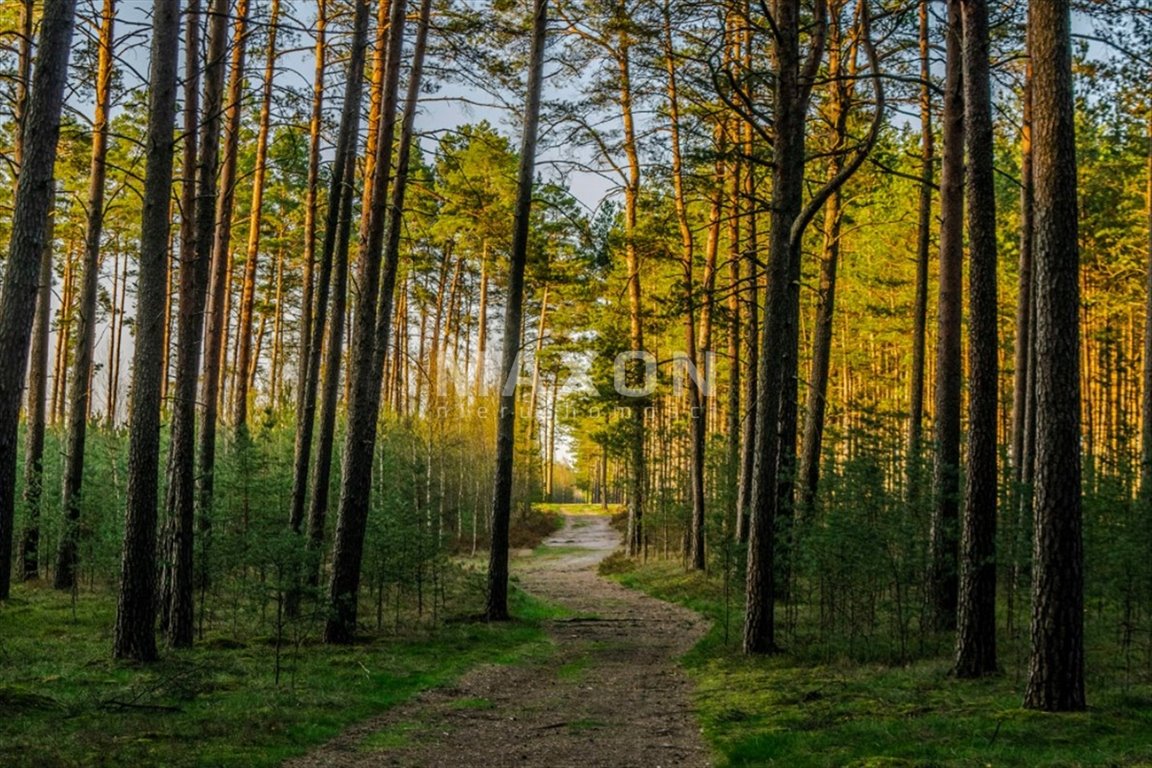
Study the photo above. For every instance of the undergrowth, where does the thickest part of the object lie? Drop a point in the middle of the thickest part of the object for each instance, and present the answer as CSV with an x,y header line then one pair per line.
x,y
823,706
226,702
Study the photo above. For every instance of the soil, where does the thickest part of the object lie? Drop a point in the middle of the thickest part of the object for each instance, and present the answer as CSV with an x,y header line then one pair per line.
x,y
609,694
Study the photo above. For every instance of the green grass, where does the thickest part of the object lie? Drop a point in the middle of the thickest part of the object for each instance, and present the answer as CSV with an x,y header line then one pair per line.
x,y
573,670
787,711
394,736
65,702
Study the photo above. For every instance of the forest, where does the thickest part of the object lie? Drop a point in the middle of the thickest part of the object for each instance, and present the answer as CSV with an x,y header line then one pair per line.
x,y
576,382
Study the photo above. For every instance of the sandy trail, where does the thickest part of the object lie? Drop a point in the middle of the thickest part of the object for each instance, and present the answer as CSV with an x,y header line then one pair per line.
x,y
610,694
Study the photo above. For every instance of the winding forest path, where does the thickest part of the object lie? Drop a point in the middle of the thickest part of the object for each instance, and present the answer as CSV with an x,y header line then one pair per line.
x,y
609,694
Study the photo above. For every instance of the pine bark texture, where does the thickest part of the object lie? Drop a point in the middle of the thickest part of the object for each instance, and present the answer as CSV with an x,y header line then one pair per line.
x,y
976,621
134,636
943,577
1056,663
34,197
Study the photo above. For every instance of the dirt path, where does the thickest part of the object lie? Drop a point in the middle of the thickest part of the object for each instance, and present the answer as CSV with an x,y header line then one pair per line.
x,y
610,695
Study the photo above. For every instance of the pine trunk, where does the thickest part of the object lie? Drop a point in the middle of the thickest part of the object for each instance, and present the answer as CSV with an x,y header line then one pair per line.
x,y
79,392
29,228
134,636
496,608
976,622
1056,663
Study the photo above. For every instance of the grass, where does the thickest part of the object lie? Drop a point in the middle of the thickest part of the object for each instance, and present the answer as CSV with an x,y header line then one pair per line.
x,y
786,710
575,509
65,702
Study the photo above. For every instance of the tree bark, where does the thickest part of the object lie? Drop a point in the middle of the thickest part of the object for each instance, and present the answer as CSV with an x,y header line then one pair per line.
x,y
23,81
37,390
196,250
842,66
79,391
637,480
244,357
913,468
496,608
339,190
1056,662
792,97
976,622
356,476
696,553
34,199
134,636
943,583
216,327
311,205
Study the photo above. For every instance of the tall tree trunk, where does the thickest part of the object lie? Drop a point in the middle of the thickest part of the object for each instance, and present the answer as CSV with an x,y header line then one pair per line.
x,y
86,331
1056,663
735,175
338,190
356,479
1145,489
23,81
196,250
34,199
244,357
637,480
976,624
37,390
532,425
913,469
842,65
496,608
216,327
792,99
943,581
696,555
116,327
311,205
751,352
482,323
134,636
334,352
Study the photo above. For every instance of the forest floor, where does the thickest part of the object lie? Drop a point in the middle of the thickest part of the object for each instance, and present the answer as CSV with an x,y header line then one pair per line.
x,y
826,703
610,693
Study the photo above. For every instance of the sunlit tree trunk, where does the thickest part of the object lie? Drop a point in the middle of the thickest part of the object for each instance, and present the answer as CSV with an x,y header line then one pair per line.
x,y
913,479
311,206
696,554
637,483
244,355
196,250
216,321
78,394
842,66
34,199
